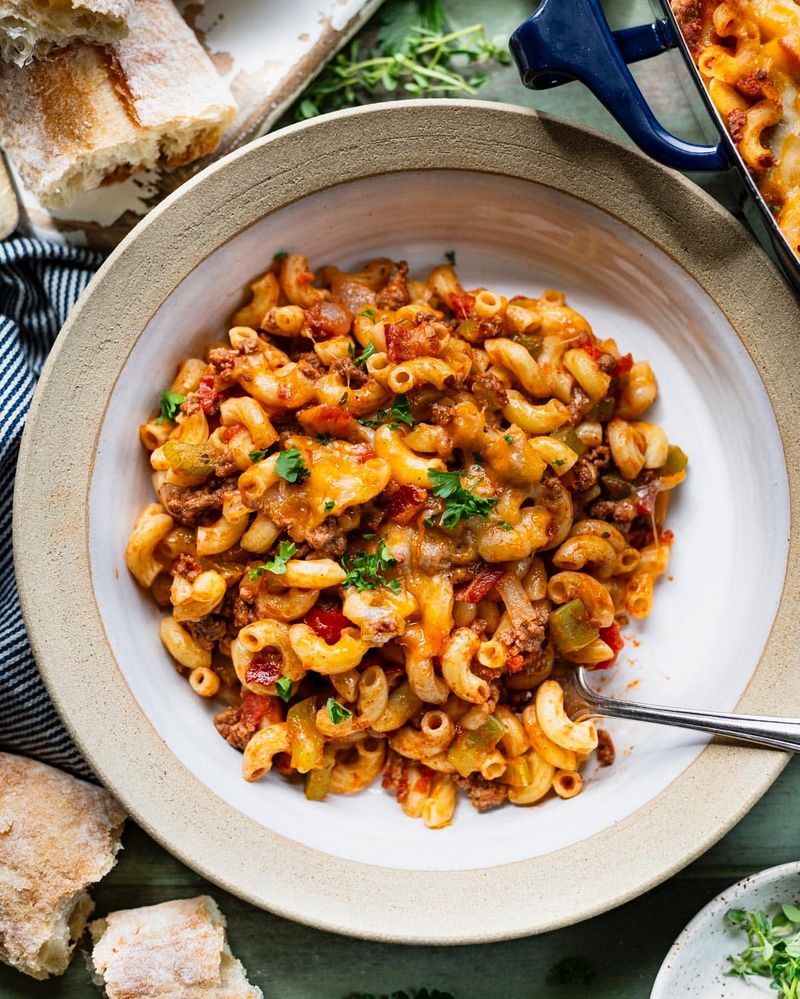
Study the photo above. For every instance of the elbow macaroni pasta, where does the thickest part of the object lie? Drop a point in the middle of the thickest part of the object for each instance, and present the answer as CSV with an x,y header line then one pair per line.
x,y
391,514
748,55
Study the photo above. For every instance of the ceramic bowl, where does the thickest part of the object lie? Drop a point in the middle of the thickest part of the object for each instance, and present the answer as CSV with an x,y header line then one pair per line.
x,y
697,966
527,203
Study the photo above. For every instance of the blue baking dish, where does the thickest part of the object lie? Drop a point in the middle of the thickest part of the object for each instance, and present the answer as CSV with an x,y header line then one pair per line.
x,y
566,40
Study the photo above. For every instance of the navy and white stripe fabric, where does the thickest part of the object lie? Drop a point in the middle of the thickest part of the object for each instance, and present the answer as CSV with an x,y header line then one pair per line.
x,y
39,284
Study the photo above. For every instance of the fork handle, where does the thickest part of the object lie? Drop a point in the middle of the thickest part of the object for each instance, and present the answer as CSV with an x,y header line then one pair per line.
x,y
763,730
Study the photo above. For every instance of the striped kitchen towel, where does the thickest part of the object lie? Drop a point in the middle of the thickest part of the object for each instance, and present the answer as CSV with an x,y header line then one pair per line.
x,y
39,284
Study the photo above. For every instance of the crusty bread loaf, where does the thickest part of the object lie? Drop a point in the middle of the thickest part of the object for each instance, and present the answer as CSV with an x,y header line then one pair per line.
x,y
93,115
175,950
31,29
58,836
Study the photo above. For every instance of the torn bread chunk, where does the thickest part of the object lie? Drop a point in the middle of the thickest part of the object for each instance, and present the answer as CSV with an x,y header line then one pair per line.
x,y
32,29
58,836
91,116
175,950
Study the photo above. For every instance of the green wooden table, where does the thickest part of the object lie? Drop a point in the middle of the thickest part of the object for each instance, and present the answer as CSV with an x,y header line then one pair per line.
x,y
620,952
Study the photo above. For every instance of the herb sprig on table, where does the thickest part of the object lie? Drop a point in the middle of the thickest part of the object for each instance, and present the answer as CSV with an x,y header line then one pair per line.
x,y
773,948
414,53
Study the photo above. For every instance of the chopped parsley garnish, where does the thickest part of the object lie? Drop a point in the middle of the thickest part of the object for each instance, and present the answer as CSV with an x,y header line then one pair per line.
x,y
505,525
508,438
171,403
280,255
256,456
460,503
284,687
337,712
324,438
286,550
559,462
365,571
773,948
362,358
450,257
291,466
369,313
329,505
400,412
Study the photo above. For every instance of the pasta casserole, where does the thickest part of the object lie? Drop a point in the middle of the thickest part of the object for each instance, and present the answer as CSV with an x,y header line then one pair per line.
x,y
748,54
390,514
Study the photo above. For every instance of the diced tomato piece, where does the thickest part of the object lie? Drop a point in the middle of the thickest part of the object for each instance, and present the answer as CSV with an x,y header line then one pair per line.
x,y
325,419
646,498
363,452
264,667
592,350
257,708
462,305
328,624
667,537
423,781
477,588
623,365
230,432
207,395
406,503
614,640
515,663
304,277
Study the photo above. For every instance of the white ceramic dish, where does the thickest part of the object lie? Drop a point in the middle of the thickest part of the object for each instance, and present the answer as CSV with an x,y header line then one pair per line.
x,y
703,373
518,220
697,964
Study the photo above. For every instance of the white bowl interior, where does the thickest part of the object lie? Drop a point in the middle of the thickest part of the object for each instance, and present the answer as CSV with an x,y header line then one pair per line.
x,y
731,518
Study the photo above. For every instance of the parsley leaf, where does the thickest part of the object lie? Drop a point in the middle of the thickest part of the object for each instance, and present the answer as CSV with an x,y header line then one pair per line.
x,y
368,312
508,438
284,687
337,712
256,456
291,466
559,462
286,550
460,503
364,571
450,257
400,412
362,358
280,255
171,403
329,505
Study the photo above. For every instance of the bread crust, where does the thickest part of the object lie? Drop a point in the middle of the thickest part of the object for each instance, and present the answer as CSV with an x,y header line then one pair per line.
x,y
30,30
174,950
94,115
58,836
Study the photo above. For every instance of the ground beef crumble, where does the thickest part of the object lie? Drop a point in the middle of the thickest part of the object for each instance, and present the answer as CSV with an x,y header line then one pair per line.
x,y
483,794
605,748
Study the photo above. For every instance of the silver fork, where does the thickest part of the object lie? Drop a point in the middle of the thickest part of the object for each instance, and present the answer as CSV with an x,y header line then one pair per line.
x,y
764,730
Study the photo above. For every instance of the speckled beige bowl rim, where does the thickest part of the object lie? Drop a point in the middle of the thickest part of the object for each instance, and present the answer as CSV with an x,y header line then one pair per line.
x,y
51,524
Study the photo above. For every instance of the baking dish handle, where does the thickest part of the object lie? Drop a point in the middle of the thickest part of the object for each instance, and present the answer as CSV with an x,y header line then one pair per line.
x,y
563,41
